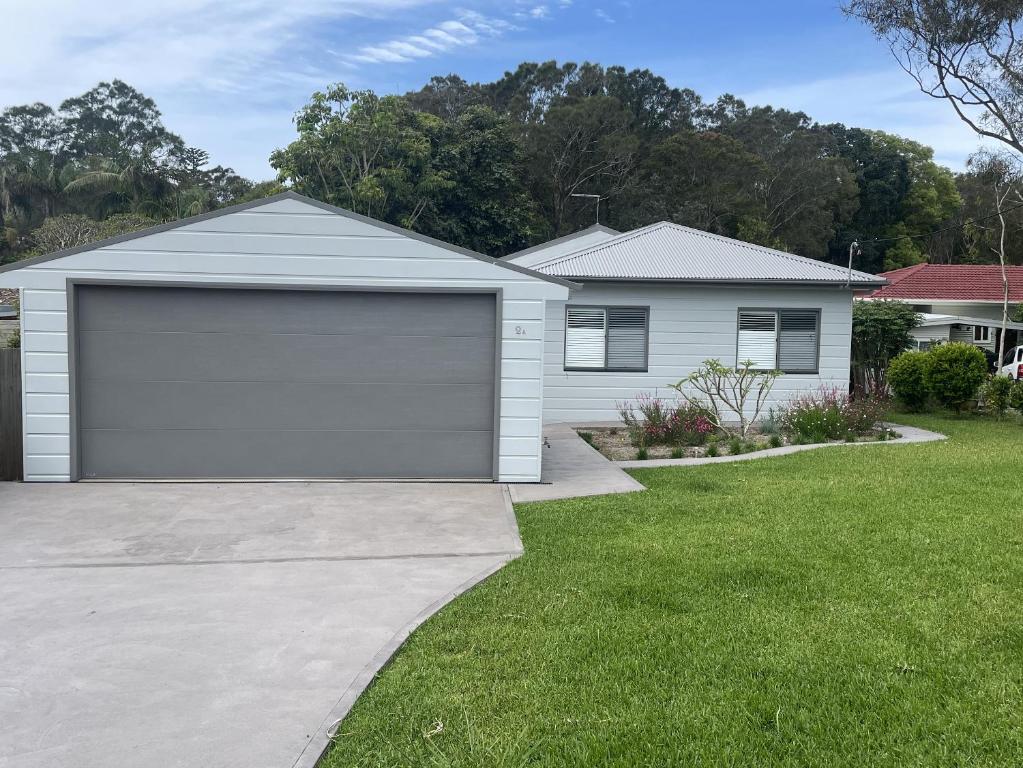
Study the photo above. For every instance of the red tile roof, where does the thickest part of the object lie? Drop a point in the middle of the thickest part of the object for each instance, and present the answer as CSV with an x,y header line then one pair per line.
x,y
950,282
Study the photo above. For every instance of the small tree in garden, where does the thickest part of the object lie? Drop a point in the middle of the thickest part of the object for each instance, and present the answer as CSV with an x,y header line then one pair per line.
x,y
907,376
1016,397
880,331
724,391
955,372
995,394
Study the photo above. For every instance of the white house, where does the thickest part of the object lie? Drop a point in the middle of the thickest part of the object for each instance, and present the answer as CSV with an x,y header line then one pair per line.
x,y
282,338
658,301
959,302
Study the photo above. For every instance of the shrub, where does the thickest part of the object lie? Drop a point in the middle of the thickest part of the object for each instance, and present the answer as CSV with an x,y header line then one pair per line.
x,y
908,379
14,340
775,440
642,454
829,414
677,452
712,450
995,393
587,436
659,422
1016,397
735,446
880,331
954,372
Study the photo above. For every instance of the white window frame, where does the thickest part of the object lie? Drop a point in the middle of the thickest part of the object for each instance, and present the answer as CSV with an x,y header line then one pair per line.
x,y
605,369
777,312
982,333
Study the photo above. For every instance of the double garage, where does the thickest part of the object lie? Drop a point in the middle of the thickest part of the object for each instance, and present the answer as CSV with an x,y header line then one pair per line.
x,y
402,362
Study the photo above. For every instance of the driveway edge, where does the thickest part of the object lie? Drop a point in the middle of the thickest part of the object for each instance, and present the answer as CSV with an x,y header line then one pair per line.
x,y
317,746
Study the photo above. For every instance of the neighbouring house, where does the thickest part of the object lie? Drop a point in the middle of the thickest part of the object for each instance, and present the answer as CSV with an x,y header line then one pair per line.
x,y
658,301
282,338
959,302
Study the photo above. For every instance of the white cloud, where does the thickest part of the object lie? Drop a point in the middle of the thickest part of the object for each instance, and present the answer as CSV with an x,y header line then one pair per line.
x,y
604,16
886,100
448,35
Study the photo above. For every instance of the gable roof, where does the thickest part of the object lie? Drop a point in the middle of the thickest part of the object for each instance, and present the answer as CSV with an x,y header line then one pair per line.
x,y
289,195
670,252
566,244
950,282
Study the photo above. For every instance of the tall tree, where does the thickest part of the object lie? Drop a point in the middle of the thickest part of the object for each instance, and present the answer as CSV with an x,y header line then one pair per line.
x,y
965,52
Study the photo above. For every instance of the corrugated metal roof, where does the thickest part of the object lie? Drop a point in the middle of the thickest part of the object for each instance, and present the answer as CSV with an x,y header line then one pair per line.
x,y
584,238
667,251
928,320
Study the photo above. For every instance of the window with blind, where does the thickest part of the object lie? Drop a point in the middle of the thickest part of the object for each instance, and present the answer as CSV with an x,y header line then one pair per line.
x,y
606,338
779,339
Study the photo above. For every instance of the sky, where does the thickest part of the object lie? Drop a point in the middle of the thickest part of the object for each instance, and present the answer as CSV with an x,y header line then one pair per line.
x,y
229,75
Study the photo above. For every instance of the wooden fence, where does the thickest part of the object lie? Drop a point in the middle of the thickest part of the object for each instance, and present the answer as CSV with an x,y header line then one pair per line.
x,y
10,415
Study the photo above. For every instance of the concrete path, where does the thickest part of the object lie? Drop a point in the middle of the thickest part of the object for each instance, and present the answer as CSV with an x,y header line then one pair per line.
x,y
218,625
909,435
571,467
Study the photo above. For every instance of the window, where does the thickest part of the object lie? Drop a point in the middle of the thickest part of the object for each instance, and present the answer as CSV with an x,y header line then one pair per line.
x,y
606,338
981,333
782,339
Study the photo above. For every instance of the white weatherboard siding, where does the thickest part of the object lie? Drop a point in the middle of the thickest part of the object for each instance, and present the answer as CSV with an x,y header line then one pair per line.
x,y
688,324
285,242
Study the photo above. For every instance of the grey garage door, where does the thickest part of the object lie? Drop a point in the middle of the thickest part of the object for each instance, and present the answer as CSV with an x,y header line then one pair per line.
x,y
181,382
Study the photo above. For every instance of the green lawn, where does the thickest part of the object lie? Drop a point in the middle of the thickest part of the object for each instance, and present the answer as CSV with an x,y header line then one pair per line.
x,y
856,606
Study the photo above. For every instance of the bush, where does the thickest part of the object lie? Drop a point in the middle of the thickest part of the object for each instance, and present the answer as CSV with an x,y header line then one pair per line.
x,y
735,446
775,440
907,376
712,450
829,414
954,373
995,394
677,452
659,422
642,454
723,392
587,437
1016,397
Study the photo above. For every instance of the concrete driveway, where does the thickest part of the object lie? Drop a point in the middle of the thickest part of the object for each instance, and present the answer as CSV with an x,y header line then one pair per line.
x,y
218,625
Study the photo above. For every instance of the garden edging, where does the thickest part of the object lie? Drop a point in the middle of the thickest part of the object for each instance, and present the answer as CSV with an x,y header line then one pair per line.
x,y
909,435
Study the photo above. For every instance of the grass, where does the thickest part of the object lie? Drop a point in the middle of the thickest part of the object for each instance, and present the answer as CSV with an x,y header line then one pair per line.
x,y
843,607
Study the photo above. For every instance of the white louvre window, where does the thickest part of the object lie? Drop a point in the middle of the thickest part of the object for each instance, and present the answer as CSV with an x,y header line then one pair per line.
x,y
783,339
797,340
585,337
606,338
758,339
626,338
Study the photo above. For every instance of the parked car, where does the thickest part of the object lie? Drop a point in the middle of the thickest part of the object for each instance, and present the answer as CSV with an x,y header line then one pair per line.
x,y
1012,365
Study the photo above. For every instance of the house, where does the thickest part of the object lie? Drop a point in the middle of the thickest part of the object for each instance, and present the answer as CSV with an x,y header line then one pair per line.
x,y
970,296
658,301
282,338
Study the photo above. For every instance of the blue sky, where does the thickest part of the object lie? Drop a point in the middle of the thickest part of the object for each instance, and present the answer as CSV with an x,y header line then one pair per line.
x,y
228,76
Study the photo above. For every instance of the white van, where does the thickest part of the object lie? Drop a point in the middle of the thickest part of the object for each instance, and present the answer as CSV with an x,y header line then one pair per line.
x,y
1012,364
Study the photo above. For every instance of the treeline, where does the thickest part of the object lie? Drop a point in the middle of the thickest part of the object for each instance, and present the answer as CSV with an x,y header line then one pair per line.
x,y
99,165
499,166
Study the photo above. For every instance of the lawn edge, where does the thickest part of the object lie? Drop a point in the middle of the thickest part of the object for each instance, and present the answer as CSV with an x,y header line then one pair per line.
x,y
317,746
909,435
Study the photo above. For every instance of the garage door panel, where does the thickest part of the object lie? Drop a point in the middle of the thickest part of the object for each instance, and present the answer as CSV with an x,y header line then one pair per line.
x,y
255,454
274,405
119,355
155,310
179,382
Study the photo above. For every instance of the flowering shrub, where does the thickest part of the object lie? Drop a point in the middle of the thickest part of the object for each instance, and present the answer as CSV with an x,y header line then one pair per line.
x,y
659,422
829,414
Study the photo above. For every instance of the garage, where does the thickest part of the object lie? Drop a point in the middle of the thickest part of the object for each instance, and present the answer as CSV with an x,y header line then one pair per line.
x,y
281,339
200,382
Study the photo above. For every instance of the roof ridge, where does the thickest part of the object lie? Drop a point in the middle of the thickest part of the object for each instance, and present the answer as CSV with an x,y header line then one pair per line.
x,y
567,258
598,227
621,237
774,251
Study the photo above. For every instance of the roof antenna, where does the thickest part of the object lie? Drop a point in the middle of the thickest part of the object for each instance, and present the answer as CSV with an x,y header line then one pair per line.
x,y
597,198
854,250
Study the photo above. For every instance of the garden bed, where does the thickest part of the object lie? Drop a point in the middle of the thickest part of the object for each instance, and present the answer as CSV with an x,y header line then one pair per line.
x,y
615,444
